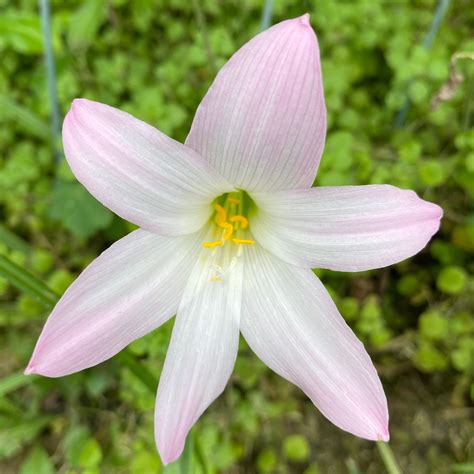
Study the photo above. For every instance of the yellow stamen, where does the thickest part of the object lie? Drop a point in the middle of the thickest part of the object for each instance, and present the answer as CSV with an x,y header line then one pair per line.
x,y
228,230
221,214
244,222
210,245
234,201
243,241
216,278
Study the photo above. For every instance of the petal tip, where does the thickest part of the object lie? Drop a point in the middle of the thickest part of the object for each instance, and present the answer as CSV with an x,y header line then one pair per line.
x,y
170,455
79,102
304,19
30,369
81,105
77,105
438,211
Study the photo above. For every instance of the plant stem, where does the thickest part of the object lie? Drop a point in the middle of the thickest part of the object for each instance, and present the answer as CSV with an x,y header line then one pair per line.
x,y
388,458
267,13
436,23
45,13
427,43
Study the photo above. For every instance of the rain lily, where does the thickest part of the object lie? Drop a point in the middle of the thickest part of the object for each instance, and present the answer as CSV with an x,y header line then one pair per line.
x,y
230,230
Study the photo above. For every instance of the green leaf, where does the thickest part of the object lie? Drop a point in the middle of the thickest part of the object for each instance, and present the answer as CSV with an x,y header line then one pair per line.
x,y
452,280
432,173
267,461
433,325
186,459
27,282
25,118
12,240
91,453
463,356
467,468
77,210
74,442
349,307
37,462
86,22
296,448
14,433
21,32
42,260
430,359
139,370
409,285
144,461
13,381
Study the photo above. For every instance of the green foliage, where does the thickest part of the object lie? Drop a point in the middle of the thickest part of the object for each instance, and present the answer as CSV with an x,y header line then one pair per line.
x,y
296,448
16,433
77,210
452,280
37,462
267,461
85,23
154,59
433,325
21,32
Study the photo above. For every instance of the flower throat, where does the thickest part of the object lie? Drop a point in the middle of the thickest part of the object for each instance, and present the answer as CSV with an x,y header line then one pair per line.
x,y
229,217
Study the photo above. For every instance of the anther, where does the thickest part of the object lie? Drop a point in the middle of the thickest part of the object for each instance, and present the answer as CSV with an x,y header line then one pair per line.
x,y
234,201
221,214
244,222
229,229
210,245
243,241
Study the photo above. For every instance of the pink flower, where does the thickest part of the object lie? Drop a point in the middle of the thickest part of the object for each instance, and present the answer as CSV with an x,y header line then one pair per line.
x,y
230,229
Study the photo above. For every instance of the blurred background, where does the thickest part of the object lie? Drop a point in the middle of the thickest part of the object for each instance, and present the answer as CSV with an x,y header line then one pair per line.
x,y
399,84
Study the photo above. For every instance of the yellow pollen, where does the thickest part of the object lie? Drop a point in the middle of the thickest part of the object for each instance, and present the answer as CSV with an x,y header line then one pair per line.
x,y
229,225
243,241
229,229
210,245
221,215
244,222
216,278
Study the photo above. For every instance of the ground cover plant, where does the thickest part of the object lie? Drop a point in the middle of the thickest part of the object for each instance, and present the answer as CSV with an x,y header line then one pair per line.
x,y
399,85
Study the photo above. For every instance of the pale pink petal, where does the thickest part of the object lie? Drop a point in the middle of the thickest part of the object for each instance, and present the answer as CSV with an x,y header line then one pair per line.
x,y
262,124
347,228
129,290
137,171
202,350
291,323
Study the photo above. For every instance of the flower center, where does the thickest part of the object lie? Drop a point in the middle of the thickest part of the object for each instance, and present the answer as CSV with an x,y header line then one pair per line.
x,y
228,224
229,218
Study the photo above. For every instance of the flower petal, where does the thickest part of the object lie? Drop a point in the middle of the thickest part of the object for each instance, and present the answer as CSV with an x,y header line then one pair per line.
x,y
262,124
129,290
291,323
137,171
346,228
201,354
